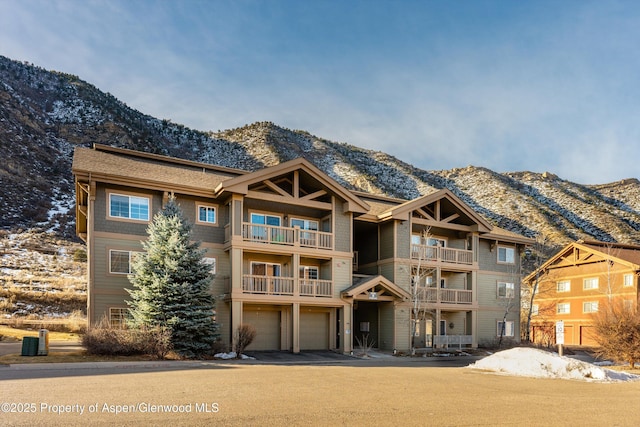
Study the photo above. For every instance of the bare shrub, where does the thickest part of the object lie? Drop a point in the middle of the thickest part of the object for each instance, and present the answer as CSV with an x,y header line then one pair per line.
x,y
105,340
617,331
245,334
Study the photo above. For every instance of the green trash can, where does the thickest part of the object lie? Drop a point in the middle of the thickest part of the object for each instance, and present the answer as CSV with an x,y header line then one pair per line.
x,y
30,346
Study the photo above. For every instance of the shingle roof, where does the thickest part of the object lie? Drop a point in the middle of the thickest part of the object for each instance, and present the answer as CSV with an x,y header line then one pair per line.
x,y
114,166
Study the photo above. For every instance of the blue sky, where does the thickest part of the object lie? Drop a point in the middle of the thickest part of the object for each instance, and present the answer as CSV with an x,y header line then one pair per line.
x,y
508,85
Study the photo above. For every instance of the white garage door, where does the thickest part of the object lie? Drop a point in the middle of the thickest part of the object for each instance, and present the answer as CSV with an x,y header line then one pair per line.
x,y
267,324
314,330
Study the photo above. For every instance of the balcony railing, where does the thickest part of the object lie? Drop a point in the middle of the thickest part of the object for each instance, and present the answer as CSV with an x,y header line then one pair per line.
x,y
316,288
452,340
446,296
292,236
269,285
438,253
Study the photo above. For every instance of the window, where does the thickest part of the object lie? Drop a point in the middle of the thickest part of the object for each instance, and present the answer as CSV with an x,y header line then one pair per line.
x,y
257,218
506,290
211,262
563,286
307,238
120,261
265,269
310,273
129,207
304,224
590,283
590,307
118,317
262,233
506,255
535,309
563,308
628,280
509,328
434,241
207,214
628,304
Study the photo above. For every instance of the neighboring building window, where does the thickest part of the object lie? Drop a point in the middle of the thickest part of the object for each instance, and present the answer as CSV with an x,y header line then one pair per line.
x,y
590,283
509,328
628,280
563,286
118,317
628,304
129,207
563,308
590,307
120,261
535,309
506,255
506,290
207,214
211,262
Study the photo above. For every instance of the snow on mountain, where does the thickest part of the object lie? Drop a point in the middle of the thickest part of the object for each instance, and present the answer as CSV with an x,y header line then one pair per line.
x,y
44,115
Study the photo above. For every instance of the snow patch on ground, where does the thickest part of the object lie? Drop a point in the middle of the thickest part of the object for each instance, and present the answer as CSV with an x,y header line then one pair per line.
x,y
531,362
231,355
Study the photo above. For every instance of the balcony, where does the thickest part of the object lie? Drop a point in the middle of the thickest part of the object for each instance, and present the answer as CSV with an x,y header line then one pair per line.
x,y
440,254
446,296
270,285
288,236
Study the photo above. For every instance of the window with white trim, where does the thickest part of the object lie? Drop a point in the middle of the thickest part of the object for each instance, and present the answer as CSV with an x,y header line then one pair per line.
x,y
563,308
506,255
129,207
506,290
563,286
509,328
590,283
211,262
308,272
590,306
207,214
118,317
535,309
120,261
628,280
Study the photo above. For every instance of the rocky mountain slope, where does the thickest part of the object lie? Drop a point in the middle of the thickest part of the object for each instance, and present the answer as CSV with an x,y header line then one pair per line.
x,y
45,114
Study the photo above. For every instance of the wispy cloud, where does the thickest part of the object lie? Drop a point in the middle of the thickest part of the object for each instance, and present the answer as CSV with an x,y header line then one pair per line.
x,y
510,86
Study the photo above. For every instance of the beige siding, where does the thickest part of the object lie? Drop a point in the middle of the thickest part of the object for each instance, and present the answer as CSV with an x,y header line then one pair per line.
x,y
386,326
403,238
386,240
342,270
342,233
402,323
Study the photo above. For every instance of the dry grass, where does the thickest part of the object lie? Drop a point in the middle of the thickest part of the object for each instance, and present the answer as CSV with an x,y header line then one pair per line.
x,y
68,357
10,333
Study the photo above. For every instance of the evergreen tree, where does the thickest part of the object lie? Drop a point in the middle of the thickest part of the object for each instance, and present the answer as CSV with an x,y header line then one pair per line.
x,y
171,284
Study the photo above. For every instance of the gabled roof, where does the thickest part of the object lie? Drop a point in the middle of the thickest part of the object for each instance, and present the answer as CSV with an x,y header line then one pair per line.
x,y
384,286
404,210
582,252
241,184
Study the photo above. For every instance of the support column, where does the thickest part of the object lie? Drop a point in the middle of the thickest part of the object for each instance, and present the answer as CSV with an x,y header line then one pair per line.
x,y
347,332
295,326
474,328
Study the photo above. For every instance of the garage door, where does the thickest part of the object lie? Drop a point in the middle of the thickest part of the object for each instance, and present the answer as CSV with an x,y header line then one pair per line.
x,y
587,336
267,324
314,330
568,335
